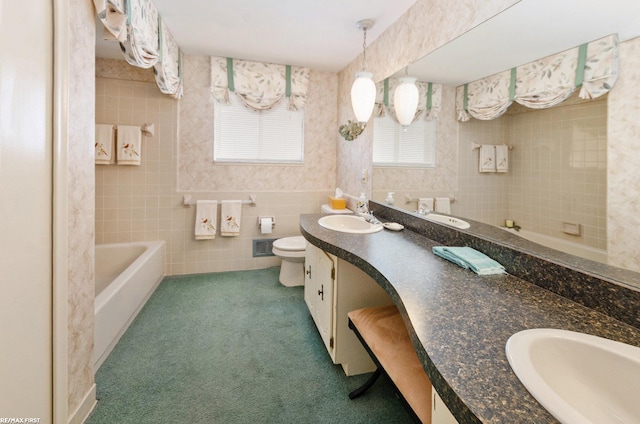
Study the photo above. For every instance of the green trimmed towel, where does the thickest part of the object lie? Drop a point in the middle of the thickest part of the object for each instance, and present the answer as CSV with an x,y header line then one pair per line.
x,y
469,258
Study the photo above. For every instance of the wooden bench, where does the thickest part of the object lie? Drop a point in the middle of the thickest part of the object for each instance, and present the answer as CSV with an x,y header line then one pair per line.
x,y
384,335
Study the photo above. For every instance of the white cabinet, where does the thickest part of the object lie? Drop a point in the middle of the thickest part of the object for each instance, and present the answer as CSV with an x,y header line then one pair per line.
x,y
318,292
440,414
333,287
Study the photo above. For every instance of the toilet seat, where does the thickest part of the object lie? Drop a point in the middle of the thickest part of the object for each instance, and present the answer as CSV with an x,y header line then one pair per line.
x,y
291,244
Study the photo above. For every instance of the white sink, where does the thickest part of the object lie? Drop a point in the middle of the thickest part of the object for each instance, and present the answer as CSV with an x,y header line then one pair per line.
x,y
348,224
577,377
449,220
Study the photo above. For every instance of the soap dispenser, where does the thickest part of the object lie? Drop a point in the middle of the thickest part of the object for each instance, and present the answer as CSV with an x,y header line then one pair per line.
x,y
389,198
361,207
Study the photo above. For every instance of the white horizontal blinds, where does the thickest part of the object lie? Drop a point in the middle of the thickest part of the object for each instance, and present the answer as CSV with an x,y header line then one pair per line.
x,y
395,146
270,136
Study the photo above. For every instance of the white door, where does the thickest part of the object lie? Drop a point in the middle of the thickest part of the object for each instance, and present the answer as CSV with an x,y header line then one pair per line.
x,y
26,209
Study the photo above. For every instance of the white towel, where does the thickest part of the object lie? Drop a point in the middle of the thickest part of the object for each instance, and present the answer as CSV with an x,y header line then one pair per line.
x,y
231,213
443,205
425,204
487,158
129,145
104,144
502,158
206,218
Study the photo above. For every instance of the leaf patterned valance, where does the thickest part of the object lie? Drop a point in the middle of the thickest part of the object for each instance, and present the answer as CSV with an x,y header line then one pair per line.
x,y
260,86
543,83
168,69
141,46
429,99
113,16
145,40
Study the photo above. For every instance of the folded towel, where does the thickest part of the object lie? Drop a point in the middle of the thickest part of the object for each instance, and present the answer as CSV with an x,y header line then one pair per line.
x,y
469,258
104,144
230,211
129,145
443,205
487,158
425,204
206,217
502,158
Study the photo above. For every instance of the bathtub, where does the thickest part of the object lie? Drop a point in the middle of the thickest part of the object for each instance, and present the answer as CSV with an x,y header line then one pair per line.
x,y
565,246
126,274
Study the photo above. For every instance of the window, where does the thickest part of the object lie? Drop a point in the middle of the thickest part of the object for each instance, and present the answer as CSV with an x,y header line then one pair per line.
x,y
270,136
396,146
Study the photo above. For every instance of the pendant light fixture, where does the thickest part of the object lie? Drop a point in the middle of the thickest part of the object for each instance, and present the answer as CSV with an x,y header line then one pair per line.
x,y
363,90
405,100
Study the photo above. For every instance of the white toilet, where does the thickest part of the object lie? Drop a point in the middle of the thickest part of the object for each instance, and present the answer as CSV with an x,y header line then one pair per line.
x,y
292,250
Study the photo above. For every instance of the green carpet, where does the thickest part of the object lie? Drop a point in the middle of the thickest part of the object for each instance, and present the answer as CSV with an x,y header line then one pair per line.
x,y
233,347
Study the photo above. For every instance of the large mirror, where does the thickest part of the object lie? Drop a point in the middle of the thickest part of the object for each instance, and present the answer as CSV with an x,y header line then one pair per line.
x,y
556,185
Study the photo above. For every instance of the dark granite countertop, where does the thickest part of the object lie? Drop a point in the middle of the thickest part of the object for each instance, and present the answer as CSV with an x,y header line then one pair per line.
x,y
459,322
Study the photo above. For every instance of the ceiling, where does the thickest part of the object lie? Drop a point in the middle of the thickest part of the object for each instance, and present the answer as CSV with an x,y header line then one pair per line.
x,y
318,34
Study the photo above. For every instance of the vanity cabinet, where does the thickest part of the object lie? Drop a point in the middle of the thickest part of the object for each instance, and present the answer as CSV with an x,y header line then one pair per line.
x,y
332,288
440,414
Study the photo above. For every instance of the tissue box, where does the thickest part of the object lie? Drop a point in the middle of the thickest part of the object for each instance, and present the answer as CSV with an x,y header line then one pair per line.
x,y
335,203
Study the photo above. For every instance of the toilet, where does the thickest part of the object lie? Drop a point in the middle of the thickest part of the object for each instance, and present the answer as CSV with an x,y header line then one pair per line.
x,y
292,251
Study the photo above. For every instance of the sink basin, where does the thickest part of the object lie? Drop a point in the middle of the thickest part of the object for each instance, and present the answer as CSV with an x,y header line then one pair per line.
x,y
449,220
348,224
577,377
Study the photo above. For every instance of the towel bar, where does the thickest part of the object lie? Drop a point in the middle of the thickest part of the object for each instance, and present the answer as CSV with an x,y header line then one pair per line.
x,y
186,200
475,145
409,199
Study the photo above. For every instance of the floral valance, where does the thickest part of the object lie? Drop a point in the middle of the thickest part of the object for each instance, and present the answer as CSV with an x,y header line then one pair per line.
x,y
145,40
429,99
260,86
113,16
168,69
543,83
141,46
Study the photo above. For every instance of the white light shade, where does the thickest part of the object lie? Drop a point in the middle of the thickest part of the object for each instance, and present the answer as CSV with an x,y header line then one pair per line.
x,y
405,100
363,96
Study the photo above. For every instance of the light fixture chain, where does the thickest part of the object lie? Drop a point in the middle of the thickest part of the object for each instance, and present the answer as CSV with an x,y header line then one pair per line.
x,y
364,51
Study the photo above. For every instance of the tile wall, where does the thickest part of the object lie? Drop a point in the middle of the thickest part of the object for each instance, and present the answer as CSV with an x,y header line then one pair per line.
x,y
135,203
557,171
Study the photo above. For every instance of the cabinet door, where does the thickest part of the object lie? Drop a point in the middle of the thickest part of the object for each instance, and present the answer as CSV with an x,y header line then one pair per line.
x,y
325,272
310,289
318,292
440,414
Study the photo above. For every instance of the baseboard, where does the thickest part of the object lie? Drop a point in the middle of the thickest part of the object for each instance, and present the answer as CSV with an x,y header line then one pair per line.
x,y
84,409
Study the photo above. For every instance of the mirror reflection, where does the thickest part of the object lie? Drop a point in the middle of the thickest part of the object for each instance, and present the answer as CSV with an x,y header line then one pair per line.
x,y
555,187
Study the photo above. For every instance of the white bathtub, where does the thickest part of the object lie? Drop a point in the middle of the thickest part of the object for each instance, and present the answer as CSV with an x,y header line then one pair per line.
x,y
565,246
126,275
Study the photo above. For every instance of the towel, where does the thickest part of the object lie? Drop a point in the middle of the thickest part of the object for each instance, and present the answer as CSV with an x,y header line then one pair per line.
x,y
206,217
487,158
443,205
129,143
230,211
104,144
502,158
425,204
469,258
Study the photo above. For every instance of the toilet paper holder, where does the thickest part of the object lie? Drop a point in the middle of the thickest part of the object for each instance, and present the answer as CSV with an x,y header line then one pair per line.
x,y
273,220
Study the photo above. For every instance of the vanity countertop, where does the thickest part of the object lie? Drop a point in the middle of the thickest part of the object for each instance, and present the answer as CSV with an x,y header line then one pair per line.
x,y
459,322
